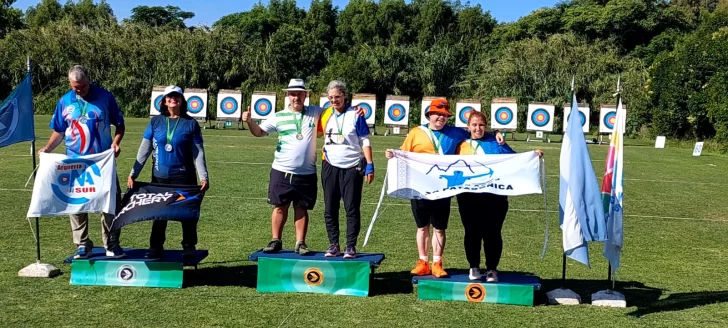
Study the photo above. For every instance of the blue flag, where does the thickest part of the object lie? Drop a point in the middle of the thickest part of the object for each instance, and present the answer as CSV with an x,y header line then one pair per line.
x,y
16,115
581,213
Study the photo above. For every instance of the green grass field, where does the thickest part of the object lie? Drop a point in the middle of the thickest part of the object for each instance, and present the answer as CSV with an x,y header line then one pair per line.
x,y
673,272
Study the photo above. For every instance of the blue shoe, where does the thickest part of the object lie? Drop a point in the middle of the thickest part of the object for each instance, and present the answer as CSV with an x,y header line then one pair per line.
x,y
116,252
82,252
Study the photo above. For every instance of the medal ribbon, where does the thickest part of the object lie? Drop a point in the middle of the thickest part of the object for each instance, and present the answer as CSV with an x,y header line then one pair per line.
x,y
170,134
435,143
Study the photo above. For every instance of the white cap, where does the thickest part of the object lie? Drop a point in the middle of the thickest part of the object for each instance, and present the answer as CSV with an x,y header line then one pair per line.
x,y
296,85
172,89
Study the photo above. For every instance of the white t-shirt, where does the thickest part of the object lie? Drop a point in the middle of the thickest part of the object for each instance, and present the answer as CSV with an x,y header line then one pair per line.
x,y
342,152
293,155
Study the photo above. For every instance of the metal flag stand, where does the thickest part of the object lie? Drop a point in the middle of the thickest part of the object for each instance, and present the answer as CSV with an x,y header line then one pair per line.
x,y
37,269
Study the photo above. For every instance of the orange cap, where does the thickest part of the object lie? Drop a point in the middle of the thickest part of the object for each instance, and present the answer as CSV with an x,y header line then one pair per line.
x,y
439,105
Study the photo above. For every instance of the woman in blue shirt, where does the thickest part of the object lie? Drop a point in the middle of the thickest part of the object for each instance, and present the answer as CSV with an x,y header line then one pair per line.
x,y
174,140
483,214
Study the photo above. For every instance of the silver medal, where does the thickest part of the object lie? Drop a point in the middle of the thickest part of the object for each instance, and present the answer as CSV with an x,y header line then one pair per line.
x,y
82,119
299,136
168,147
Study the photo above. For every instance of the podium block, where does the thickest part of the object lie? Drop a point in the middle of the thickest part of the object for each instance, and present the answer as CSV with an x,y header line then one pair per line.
x,y
289,272
511,289
133,270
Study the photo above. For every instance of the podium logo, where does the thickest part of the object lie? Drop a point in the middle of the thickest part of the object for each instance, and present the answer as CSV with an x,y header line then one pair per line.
x,y
313,277
475,293
126,274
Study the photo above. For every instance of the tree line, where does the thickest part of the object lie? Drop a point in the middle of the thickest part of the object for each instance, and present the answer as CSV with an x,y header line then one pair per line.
x,y
670,54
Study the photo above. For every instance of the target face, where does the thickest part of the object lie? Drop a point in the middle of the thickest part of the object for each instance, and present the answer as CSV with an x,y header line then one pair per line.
x,y
540,117
503,115
158,103
582,118
194,104
396,112
367,110
262,107
609,120
464,114
229,105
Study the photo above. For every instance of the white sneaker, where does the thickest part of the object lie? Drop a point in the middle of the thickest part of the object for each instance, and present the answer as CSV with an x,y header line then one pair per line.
x,y
475,274
491,276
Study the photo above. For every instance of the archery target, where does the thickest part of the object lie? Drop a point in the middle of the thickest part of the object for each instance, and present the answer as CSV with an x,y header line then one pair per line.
x,y
462,112
369,105
583,117
423,115
228,104
540,117
196,103
157,98
396,112
503,116
607,118
262,106
287,102
325,103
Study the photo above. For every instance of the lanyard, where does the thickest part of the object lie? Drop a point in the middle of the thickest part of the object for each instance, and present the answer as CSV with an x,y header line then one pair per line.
x,y
474,148
298,121
437,144
79,100
170,134
343,117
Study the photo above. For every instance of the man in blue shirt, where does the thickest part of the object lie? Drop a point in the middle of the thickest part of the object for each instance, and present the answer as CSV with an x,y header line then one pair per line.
x,y
82,120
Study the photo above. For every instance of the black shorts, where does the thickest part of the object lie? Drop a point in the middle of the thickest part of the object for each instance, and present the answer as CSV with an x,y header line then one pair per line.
x,y
285,188
435,212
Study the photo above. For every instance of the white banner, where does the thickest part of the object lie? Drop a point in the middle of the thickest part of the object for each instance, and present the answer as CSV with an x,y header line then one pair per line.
x,y
68,185
426,176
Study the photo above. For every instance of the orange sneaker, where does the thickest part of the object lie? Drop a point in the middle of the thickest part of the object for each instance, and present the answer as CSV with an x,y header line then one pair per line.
x,y
421,269
437,270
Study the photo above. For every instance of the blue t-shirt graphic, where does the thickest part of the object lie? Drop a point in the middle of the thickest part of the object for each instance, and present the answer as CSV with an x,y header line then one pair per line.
x,y
89,133
180,162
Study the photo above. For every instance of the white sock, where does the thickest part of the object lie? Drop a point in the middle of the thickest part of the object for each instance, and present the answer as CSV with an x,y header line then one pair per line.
x,y
436,258
424,258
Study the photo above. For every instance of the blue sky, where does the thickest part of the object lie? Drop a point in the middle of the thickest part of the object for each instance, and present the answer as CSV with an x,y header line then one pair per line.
x,y
208,12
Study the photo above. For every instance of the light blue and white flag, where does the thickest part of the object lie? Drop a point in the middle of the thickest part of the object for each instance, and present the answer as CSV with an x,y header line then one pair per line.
x,y
16,115
581,214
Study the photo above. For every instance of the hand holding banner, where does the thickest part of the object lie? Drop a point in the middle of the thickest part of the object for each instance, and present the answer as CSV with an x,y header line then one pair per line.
x,y
147,201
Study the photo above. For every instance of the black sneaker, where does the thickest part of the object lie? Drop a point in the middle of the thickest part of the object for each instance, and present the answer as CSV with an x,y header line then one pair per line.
x,y
301,248
154,253
274,246
350,252
188,254
333,251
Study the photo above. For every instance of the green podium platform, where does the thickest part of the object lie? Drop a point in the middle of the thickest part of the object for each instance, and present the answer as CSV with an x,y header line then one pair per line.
x,y
289,272
511,289
133,270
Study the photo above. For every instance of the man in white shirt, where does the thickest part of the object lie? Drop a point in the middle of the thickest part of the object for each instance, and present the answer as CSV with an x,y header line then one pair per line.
x,y
293,173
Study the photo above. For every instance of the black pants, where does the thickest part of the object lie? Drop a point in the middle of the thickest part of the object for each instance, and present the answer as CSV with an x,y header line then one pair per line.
x,y
159,227
483,216
341,183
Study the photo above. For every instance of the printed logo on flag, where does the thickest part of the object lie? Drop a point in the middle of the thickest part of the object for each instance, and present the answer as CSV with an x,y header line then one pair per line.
x,y
457,175
76,183
8,120
313,277
475,293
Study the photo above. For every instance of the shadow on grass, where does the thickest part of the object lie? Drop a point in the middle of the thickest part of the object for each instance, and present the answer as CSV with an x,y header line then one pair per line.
x,y
237,275
681,301
636,293
390,283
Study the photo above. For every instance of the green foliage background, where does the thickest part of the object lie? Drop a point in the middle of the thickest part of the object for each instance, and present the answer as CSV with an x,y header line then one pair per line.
x,y
672,55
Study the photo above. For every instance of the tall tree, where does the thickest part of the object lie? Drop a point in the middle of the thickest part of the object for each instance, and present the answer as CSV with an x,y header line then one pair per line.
x,y
157,16
10,18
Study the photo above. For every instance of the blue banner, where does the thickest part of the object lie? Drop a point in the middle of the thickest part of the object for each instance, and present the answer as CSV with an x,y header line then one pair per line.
x,y
16,115
147,201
